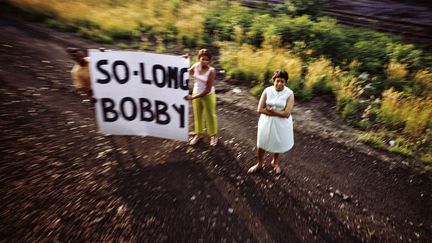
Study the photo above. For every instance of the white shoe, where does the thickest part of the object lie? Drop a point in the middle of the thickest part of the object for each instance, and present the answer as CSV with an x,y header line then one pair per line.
x,y
194,140
213,141
255,169
277,169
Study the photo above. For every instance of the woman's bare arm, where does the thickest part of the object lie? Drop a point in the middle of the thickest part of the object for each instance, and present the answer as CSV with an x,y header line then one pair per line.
x,y
191,70
288,108
262,106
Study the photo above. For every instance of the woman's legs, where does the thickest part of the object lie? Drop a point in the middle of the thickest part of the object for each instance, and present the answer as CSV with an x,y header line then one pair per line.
x,y
205,106
198,110
275,159
260,157
209,105
260,163
275,163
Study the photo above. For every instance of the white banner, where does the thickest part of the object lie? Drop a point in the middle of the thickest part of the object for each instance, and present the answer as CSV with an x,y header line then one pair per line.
x,y
140,93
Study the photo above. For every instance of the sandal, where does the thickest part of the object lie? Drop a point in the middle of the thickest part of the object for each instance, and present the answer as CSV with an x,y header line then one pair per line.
x,y
194,140
254,169
277,169
213,141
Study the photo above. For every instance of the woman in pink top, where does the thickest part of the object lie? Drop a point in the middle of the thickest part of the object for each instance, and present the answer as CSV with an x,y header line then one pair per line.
x,y
203,98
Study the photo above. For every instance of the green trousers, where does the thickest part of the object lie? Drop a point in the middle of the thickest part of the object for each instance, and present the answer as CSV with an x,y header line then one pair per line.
x,y
205,108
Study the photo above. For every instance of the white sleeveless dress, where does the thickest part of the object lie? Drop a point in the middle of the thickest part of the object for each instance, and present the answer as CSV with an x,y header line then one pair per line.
x,y
276,134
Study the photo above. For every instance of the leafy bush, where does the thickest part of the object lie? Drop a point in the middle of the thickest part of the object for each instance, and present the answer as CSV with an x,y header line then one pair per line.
x,y
396,72
406,54
259,24
348,90
222,20
301,7
257,90
95,35
422,82
391,111
61,25
381,140
123,34
418,118
412,114
256,66
293,29
319,74
329,40
122,45
144,45
372,139
351,111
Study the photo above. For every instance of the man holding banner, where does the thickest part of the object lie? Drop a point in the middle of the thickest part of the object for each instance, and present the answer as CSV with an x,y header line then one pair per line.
x,y
140,93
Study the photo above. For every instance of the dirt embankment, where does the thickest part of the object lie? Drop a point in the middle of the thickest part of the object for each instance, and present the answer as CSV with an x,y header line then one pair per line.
x,y
61,180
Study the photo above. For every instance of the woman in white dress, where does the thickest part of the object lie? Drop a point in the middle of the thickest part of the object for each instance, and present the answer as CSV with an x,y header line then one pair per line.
x,y
275,125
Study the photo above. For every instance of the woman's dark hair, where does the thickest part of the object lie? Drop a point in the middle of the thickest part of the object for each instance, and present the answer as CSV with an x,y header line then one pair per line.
x,y
204,52
77,55
280,74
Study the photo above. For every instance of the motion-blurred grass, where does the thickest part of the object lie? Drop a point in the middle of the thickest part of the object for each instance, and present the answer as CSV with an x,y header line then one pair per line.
x,y
105,20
